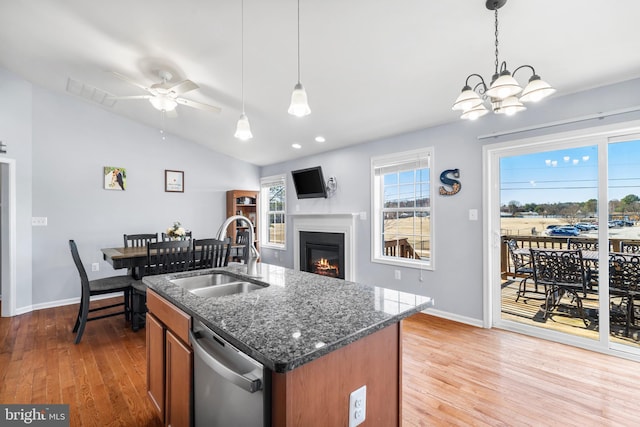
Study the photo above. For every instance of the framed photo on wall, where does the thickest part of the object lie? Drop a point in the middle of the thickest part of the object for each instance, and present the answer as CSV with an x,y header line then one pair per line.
x,y
173,181
115,178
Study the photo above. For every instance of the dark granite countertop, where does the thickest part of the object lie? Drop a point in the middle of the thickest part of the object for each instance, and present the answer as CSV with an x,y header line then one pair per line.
x,y
297,318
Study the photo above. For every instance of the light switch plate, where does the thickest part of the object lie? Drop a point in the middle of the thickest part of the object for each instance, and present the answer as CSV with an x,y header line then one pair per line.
x,y
473,214
358,406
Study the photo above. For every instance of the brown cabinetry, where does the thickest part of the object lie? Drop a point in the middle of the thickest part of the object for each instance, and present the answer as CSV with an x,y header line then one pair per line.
x,y
242,202
169,361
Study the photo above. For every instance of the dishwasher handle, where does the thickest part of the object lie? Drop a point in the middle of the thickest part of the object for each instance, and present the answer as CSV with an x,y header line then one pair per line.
x,y
245,383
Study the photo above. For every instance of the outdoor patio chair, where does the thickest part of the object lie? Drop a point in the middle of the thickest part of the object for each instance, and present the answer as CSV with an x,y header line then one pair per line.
x,y
521,268
630,248
591,266
624,286
562,274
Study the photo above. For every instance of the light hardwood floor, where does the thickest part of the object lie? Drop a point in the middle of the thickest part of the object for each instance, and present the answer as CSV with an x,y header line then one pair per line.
x,y
454,374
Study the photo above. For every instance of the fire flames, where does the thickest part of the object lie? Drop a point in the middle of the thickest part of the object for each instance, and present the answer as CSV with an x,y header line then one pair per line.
x,y
325,268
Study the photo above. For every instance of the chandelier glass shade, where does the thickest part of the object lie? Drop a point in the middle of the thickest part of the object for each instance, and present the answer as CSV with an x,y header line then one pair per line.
x,y
504,93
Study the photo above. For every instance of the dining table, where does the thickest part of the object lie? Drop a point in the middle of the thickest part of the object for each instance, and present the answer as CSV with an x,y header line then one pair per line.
x,y
135,257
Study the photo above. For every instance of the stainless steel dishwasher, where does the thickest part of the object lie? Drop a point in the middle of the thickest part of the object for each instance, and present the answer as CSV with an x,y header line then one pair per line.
x,y
229,388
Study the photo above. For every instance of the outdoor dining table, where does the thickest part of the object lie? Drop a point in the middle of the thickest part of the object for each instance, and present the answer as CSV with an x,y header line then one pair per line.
x,y
586,255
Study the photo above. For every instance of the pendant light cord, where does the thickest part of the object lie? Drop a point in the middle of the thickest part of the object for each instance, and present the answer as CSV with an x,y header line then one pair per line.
x,y
242,52
298,41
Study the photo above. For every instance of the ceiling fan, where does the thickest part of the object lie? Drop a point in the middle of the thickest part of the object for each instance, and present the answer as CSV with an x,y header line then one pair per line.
x,y
166,95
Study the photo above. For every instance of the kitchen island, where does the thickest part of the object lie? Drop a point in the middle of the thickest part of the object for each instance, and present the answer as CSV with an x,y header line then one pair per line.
x,y
321,338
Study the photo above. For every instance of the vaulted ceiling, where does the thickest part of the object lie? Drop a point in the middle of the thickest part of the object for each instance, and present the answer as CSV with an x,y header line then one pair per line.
x,y
371,68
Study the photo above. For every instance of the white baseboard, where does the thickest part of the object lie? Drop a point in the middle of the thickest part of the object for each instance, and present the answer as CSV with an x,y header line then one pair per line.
x,y
455,317
60,303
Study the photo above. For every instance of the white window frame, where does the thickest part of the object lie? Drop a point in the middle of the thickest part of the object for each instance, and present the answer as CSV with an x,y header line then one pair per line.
x,y
265,184
413,159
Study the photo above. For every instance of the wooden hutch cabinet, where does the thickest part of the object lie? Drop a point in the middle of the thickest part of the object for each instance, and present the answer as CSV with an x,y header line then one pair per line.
x,y
243,202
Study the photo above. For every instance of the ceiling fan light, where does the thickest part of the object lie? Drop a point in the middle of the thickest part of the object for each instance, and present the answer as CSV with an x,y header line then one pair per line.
x,y
243,129
475,113
504,86
509,106
163,103
467,100
299,105
536,90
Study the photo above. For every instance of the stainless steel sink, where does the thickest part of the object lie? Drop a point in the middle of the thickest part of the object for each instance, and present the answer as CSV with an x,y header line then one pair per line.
x,y
204,280
227,289
215,285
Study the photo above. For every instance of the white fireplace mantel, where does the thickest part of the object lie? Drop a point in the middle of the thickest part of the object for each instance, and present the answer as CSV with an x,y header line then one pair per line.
x,y
327,223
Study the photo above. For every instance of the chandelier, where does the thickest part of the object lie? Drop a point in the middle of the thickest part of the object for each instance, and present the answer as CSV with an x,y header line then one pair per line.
x,y
504,89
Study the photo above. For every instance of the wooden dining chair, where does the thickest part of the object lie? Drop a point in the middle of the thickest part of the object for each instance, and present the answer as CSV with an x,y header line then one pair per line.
x,y
89,288
560,272
162,258
211,253
139,240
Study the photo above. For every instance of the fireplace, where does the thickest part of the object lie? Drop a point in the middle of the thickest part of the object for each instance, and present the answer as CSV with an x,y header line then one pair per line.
x,y
339,228
322,253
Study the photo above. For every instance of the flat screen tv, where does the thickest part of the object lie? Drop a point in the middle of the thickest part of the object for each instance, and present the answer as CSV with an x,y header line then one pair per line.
x,y
309,183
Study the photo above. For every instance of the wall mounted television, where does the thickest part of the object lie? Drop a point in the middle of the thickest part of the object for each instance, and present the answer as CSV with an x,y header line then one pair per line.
x,y
309,183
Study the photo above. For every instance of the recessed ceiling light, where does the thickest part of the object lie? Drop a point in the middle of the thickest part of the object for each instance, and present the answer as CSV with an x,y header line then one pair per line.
x,y
320,138
296,146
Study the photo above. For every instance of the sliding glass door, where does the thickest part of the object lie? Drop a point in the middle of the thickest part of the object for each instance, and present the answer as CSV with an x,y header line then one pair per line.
x,y
564,236
549,202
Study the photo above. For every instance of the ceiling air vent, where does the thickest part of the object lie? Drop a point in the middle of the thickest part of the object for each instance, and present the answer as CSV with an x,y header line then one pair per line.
x,y
91,93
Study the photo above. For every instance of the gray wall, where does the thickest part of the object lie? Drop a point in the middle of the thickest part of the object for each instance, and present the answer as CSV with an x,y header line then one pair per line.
x,y
456,282
63,143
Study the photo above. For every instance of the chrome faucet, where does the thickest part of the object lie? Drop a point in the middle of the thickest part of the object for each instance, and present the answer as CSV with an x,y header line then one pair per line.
x,y
253,256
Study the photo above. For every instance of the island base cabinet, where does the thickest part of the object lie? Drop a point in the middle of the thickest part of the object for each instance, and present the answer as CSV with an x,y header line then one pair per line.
x,y
317,393
169,361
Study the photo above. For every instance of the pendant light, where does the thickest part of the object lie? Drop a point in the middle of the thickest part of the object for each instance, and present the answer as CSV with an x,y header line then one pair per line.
x,y
243,129
299,105
504,88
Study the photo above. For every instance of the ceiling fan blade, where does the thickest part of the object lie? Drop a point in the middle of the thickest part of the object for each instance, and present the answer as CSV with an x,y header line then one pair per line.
x,y
131,97
128,80
183,87
199,105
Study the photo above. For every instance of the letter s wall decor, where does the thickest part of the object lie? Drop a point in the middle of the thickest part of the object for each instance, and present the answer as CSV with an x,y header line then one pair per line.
x,y
453,184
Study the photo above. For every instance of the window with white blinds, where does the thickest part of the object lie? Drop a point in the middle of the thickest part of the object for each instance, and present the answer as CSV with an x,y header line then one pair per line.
x,y
402,187
273,210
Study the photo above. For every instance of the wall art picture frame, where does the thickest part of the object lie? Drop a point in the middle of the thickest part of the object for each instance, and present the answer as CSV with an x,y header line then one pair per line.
x,y
173,181
115,178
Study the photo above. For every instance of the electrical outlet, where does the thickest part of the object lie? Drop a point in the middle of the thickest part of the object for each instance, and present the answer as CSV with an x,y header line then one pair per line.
x,y
397,274
358,406
95,266
363,215
39,221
